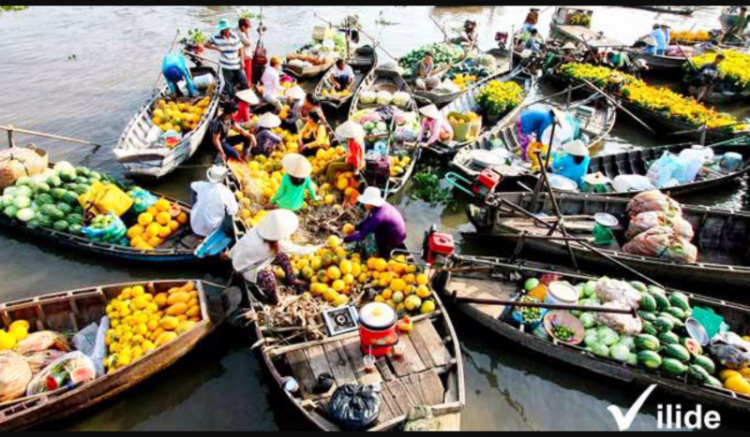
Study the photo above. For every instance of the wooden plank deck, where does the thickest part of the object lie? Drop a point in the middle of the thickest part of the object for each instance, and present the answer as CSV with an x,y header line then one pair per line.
x,y
407,382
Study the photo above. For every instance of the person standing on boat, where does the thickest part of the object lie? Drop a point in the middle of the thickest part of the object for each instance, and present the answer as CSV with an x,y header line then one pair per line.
x,y
656,41
707,75
737,31
667,35
231,59
535,42
354,134
532,18
423,79
383,221
265,246
243,32
434,126
175,69
574,163
214,204
295,184
224,144
273,91
532,123
343,75
266,140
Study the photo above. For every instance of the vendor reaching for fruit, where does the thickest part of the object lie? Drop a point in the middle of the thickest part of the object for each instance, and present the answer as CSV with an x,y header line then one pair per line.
x,y
314,127
343,75
434,125
266,245
214,203
304,104
266,140
175,69
295,184
533,122
220,127
355,158
384,221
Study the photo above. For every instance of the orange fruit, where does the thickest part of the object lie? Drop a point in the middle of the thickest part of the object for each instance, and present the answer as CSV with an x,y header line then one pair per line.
x,y
163,205
145,219
182,218
174,225
164,232
163,218
135,231
136,241
152,230
154,241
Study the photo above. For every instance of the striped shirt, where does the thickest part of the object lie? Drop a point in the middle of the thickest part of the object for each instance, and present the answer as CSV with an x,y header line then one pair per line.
x,y
230,51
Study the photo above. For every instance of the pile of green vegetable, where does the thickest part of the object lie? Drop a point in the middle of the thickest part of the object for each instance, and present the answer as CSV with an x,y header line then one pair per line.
x,y
50,200
472,67
663,345
442,53
427,188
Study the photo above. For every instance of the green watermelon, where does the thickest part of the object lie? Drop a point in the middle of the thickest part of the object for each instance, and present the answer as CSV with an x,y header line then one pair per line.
x,y
58,193
649,329
713,382
44,221
647,316
698,373
648,303
54,181
679,300
75,219
11,211
663,324
68,176
71,198
52,212
83,171
677,323
75,229
662,303
677,313
647,342
95,176
649,359
656,290
640,286
677,352
672,366
60,226
668,338
706,363
44,199
64,207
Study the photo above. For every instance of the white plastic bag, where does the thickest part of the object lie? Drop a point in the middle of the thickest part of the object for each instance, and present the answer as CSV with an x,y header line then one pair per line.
x,y
730,349
668,171
70,369
631,182
612,290
622,323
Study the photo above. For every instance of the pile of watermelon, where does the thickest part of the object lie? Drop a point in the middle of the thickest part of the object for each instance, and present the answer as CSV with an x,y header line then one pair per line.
x,y
663,344
50,200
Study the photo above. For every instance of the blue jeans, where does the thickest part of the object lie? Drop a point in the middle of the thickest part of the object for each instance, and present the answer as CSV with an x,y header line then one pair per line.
x,y
232,79
228,145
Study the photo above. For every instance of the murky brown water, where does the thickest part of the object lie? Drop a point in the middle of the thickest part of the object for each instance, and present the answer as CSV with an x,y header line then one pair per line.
x,y
118,54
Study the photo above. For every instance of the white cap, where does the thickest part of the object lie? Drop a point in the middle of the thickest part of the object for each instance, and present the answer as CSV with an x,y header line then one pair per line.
x,y
296,92
248,96
278,225
269,120
576,148
296,165
430,111
372,197
350,129
216,174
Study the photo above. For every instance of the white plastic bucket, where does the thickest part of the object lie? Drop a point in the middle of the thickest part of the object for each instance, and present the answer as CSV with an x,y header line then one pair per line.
x,y
561,293
204,81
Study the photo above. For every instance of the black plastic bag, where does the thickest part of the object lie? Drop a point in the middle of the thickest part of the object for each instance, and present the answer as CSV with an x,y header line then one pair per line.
x,y
355,407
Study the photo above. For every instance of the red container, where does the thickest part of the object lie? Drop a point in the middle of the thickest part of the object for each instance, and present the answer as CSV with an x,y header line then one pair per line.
x,y
439,245
487,181
377,329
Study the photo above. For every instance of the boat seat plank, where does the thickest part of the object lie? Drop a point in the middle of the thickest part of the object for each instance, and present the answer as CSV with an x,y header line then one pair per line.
x,y
422,347
399,392
353,353
389,408
341,369
480,289
432,387
316,358
410,362
414,389
384,369
439,354
302,372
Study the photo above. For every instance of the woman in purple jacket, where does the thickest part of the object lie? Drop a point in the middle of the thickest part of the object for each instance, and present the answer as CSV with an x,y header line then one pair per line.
x,y
383,220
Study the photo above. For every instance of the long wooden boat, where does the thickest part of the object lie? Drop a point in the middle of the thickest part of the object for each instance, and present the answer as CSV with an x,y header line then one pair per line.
x,y
496,279
144,161
676,10
661,64
721,237
390,80
467,102
430,373
581,34
179,248
596,114
718,97
363,63
308,72
70,311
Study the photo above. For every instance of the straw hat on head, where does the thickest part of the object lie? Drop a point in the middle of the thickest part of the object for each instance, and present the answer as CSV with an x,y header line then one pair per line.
x,y
651,41
350,129
430,111
576,148
296,92
248,96
216,174
569,46
278,225
269,120
372,197
560,115
296,165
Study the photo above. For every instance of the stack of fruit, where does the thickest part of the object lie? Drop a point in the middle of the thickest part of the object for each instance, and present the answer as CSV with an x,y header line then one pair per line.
x,y
156,225
142,321
734,71
399,165
17,331
401,286
179,116
331,92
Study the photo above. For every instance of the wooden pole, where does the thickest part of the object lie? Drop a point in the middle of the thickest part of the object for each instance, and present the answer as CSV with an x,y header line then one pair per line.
x,y
171,47
617,104
12,129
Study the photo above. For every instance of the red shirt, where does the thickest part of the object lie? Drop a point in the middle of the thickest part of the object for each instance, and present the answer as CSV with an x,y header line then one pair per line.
x,y
243,113
356,156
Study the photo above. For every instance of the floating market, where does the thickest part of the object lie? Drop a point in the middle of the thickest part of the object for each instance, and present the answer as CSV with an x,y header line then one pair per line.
x,y
375,218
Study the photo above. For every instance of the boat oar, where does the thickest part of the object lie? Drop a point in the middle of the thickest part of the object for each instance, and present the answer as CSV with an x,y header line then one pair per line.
x,y
171,47
618,105
201,58
11,129
439,26
550,97
549,306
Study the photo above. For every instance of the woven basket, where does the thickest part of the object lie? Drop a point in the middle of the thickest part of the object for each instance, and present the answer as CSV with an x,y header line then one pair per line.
x,y
21,161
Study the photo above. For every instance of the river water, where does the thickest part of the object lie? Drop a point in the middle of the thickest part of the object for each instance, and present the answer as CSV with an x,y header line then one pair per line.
x,y
84,71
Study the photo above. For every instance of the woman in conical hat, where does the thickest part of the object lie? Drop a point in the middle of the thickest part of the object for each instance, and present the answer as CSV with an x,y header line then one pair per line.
x,y
295,184
354,135
434,125
574,165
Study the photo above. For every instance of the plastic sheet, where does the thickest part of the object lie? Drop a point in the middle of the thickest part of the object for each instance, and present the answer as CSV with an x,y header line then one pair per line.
x,y
70,369
731,350
612,290
622,323
42,341
654,201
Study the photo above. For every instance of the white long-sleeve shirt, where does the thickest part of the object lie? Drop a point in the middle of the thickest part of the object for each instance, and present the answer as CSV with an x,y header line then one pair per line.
x,y
252,254
271,82
214,202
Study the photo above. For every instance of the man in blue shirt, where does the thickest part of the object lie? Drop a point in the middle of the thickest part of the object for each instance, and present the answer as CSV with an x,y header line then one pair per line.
x,y
574,164
174,67
660,39
531,125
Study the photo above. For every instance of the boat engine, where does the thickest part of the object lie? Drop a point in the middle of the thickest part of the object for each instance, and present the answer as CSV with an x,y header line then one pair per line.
x,y
437,246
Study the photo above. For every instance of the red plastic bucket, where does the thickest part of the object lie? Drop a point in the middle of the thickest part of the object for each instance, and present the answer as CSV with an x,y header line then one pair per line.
x,y
377,329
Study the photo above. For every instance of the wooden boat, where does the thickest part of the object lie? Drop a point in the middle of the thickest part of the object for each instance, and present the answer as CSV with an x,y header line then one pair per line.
x,y
467,102
363,64
73,310
661,64
178,248
720,235
597,121
718,97
494,279
308,72
143,160
389,80
676,10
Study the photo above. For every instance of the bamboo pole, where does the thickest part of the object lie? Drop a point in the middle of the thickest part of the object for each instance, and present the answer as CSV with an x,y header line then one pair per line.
x,y
11,129
618,105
